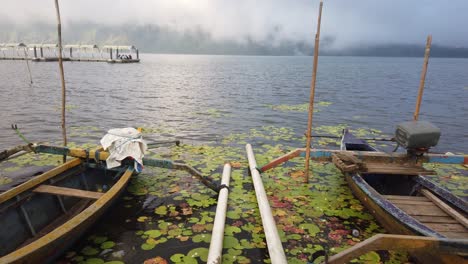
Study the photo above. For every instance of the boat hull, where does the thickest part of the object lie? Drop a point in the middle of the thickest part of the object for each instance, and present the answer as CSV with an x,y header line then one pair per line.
x,y
391,217
50,246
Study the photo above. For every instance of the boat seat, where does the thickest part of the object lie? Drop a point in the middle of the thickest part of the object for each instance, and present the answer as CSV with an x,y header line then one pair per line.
x,y
57,190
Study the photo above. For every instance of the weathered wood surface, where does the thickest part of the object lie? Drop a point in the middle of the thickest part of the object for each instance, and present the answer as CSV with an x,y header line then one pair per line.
x,y
9,152
38,180
50,189
40,250
423,78
280,160
347,162
404,197
433,213
446,208
103,155
369,156
312,94
430,245
393,168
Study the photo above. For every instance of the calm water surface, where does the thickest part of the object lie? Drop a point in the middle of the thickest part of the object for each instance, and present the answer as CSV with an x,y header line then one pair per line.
x,y
180,93
202,99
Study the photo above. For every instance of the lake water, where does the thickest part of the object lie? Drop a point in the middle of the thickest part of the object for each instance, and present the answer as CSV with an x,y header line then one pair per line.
x,y
202,98
214,105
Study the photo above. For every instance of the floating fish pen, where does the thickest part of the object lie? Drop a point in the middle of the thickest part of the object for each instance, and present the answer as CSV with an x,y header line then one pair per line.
x,y
71,52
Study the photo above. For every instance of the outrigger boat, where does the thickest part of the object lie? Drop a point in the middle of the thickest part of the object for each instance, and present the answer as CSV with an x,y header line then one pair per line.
x,y
43,217
402,199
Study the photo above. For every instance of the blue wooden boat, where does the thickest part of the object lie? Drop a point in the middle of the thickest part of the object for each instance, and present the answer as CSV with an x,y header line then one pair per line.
x,y
409,204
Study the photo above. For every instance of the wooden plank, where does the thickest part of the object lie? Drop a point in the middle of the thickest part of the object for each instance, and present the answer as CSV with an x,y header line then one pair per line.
x,y
280,160
446,208
38,180
395,169
406,243
422,210
325,154
404,197
455,235
413,202
453,227
51,189
435,219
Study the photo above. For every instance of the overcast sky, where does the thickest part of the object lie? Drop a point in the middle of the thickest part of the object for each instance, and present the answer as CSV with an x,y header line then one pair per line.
x,y
348,22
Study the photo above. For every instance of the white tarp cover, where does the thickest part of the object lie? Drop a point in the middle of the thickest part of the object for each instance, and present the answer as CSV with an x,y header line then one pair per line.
x,y
122,143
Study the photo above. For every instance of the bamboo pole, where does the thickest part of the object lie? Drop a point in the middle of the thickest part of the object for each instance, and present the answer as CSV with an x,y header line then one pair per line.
x,y
62,76
216,245
275,248
423,77
312,94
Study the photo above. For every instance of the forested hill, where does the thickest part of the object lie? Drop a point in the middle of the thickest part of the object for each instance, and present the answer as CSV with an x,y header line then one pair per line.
x,y
158,39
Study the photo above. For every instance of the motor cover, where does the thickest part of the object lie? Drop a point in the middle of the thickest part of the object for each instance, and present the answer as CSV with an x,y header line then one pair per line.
x,y
417,134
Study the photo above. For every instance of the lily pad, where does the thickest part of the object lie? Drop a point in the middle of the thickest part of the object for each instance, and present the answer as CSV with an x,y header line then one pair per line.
x,y
89,251
107,245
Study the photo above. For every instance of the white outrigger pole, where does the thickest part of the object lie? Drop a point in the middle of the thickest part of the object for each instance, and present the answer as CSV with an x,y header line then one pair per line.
x,y
275,248
216,245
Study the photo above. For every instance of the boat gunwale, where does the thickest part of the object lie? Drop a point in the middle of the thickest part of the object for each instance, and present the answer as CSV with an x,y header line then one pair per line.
x,y
33,182
73,222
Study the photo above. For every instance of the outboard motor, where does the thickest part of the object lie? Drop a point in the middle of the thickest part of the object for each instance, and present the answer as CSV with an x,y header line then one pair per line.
x,y
417,136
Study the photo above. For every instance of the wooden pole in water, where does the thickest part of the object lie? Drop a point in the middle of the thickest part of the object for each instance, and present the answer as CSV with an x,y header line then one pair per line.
x,y
62,75
423,77
27,64
312,95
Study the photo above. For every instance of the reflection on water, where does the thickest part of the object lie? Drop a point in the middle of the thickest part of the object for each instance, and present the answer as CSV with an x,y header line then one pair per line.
x,y
180,93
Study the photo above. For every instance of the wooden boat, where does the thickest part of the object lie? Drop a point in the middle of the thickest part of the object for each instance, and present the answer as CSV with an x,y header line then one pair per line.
x,y
409,204
44,216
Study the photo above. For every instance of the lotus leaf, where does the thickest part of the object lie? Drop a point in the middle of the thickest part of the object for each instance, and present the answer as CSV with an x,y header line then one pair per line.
x,y
153,233
146,246
202,253
107,245
230,230
201,237
161,210
89,251
230,242
94,261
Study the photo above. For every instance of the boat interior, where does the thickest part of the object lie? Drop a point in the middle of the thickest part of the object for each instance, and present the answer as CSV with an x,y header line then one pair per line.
x,y
32,213
415,199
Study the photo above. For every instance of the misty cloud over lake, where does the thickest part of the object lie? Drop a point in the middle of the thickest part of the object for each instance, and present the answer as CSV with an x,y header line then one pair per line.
x,y
345,24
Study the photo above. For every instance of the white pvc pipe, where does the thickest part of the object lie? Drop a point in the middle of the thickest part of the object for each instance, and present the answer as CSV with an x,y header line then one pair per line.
x,y
275,248
216,246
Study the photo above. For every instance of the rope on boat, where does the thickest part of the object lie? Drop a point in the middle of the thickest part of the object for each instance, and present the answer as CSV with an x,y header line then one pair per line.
x,y
18,132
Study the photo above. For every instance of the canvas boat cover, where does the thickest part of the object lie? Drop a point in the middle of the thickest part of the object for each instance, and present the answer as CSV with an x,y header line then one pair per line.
x,y
122,143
